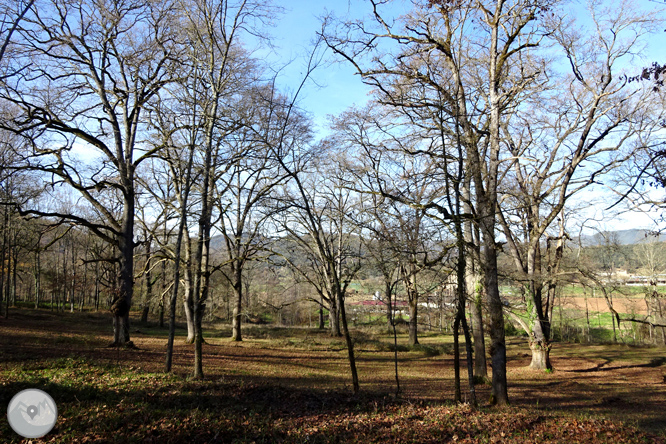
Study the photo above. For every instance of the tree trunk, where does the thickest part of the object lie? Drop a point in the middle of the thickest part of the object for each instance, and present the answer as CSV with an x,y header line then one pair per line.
x,y
182,227
123,298
321,318
164,289
540,335
496,321
413,321
8,294
456,359
395,352
350,344
96,288
236,334
334,318
540,356
161,313
389,304
476,311
474,282
198,341
148,295
188,305
486,190
3,294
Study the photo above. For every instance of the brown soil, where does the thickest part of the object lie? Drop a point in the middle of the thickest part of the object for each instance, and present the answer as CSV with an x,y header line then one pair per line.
x,y
594,304
617,382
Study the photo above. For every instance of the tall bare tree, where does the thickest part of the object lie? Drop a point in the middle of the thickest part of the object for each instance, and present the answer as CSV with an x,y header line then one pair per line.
x,y
316,223
465,61
89,81
220,72
567,140
246,186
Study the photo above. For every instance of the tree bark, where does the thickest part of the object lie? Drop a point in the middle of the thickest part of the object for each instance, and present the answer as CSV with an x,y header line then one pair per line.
x,y
189,307
350,343
198,341
476,311
236,334
149,282
334,318
413,321
321,317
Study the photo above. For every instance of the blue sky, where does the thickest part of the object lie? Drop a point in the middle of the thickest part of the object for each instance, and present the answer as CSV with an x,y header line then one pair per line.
x,y
337,87
333,87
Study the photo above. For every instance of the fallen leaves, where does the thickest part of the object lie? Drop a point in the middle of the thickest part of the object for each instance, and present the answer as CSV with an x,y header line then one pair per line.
x,y
276,395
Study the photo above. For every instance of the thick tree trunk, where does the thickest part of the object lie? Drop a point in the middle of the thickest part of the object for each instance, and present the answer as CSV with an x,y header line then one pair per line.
x,y
476,311
540,341
334,318
540,356
236,334
486,191
123,299
498,343
480,365
474,283
188,305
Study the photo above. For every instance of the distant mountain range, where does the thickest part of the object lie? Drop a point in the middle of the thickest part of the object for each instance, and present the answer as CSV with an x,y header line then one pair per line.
x,y
622,237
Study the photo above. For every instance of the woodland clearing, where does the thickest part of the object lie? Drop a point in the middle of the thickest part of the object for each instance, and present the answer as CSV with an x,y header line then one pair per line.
x,y
292,385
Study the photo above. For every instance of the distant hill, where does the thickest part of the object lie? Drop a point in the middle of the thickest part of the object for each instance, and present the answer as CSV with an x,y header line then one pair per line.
x,y
622,237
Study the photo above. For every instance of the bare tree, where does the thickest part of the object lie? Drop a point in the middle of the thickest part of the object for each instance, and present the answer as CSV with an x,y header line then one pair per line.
x,y
247,184
89,82
220,71
566,140
653,265
407,188
317,203
462,61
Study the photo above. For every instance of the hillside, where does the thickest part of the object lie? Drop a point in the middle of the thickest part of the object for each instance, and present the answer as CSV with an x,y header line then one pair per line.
x,y
621,237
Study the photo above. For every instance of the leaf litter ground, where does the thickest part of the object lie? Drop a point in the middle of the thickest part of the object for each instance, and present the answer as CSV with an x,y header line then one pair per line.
x,y
292,385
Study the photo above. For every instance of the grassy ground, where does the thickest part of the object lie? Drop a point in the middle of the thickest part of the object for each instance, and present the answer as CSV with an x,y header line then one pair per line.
x,y
292,385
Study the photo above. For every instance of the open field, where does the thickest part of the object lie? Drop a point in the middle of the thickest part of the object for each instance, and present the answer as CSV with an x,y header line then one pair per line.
x,y
292,385
623,304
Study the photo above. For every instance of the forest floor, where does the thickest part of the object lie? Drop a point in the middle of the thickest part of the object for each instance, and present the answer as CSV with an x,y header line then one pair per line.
x,y
293,385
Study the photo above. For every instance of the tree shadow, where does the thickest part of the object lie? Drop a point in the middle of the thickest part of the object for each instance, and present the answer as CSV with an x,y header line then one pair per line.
x,y
601,367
